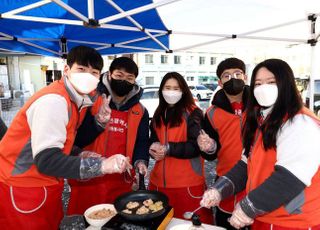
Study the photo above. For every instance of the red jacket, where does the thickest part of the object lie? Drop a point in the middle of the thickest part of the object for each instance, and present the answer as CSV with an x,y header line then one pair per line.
x,y
263,162
16,144
173,172
228,126
135,115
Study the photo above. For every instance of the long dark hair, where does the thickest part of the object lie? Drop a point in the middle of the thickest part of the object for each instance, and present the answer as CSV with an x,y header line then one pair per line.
x,y
287,105
185,104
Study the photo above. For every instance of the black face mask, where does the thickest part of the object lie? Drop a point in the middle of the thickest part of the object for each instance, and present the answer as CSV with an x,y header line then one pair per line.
x,y
233,86
121,87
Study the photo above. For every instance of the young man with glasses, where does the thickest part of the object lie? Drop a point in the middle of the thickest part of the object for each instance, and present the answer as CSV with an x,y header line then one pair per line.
x,y
222,126
126,133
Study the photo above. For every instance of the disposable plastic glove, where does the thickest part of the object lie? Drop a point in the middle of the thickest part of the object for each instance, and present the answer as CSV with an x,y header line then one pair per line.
x,y
86,154
157,151
104,114
142,168
206,143
239,219
211,198
115,164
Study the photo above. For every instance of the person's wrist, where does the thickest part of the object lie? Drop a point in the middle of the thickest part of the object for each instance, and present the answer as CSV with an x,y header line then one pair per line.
x,y
213,147
166,149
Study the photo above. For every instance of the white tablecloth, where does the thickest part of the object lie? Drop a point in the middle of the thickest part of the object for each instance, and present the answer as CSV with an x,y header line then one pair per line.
x,y
175,223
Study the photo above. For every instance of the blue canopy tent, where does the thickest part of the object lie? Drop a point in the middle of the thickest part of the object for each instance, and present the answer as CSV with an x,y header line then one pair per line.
x,y
52,27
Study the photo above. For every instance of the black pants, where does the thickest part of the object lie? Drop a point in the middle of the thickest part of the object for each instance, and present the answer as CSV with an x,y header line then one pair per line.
x,y
222,220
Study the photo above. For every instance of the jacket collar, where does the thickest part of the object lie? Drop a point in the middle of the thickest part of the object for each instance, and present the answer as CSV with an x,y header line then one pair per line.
x,y
221,100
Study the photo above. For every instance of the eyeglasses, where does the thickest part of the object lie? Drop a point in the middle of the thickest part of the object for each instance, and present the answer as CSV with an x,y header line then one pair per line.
x,y
228,76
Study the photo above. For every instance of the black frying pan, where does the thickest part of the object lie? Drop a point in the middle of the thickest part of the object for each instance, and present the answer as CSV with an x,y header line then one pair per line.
x,y
141,195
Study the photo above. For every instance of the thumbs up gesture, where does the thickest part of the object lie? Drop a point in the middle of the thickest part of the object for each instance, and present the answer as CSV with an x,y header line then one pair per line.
x,y
104,114
206,143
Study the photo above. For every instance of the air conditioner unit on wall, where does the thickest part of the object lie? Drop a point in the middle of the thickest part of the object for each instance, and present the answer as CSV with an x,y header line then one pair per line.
x,y
17,94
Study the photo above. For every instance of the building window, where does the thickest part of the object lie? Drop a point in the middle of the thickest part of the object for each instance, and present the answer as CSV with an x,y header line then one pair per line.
x,y
190,78
149,80
202,60
213,60
177,59
149,58
164,59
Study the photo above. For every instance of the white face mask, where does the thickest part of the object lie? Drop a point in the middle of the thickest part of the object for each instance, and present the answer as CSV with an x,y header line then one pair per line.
x,y
84,83
266,94
172,96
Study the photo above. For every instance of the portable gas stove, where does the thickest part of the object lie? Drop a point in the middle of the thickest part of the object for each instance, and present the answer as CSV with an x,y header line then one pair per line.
x,y
158,223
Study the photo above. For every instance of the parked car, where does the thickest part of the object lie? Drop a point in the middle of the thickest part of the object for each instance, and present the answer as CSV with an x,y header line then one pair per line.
x,y
316,102
201,92
214,92
150,99
211,86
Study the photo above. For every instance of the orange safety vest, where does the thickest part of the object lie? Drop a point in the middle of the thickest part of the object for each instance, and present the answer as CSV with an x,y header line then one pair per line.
x,y
261,165
17,167
172,172
228,126
135,115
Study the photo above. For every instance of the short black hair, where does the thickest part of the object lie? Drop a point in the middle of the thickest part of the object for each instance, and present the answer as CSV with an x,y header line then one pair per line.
x,y
124,63
230,63
84,55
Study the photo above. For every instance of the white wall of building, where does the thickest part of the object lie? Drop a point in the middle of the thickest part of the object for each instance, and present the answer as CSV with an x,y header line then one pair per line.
x,y
196,67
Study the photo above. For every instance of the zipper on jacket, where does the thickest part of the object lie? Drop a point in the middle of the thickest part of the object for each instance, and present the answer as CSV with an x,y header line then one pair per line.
x,y
164,159
249,155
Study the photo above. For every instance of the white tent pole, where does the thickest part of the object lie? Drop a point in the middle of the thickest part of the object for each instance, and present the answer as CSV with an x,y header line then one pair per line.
x,y
139,39
71,10
239,36
6,35
37,46
312,75
130,28
117,27
78,23
139,48
156,40
137,25
200,34
87,42
202,44
242,34
136,11
25,8
42,39
104,47
91,9
314,57
123,44
130,47
273,39
276,26
48,20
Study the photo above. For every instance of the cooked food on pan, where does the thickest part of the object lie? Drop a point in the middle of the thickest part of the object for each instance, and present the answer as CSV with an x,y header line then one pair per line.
x,y
147,206
142,210
132,205
148,202
156,206
101,214
127,211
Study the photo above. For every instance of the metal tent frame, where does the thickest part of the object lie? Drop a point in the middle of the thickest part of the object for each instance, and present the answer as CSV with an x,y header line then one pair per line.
x,y
89,21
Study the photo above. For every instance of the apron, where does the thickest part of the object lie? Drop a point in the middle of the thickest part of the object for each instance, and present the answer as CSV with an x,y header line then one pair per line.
x,y
34,208
186,199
